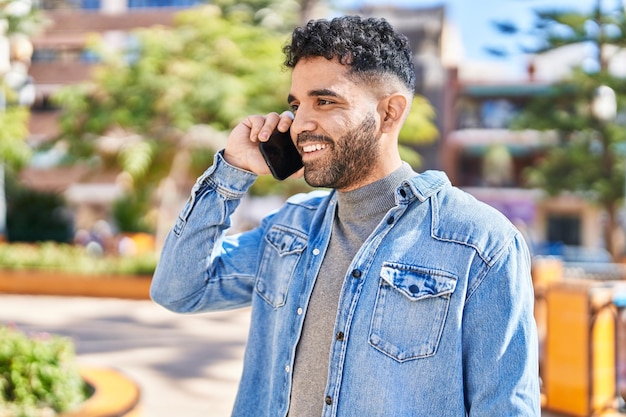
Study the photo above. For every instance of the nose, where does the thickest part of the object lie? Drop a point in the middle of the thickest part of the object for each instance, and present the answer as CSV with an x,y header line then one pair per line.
x,y
302,122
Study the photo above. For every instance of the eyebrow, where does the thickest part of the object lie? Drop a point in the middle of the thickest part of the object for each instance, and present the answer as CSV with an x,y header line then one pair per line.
x,y
324,92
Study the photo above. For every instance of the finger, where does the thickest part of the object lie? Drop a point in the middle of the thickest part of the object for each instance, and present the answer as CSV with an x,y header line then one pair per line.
x,y
255,124
286,119
269,125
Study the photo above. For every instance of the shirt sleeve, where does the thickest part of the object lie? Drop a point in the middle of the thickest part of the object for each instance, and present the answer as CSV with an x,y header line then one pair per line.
x,y
500,342
200,268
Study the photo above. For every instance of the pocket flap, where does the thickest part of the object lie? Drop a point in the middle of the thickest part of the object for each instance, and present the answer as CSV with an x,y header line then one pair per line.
x,y
285,241
416,282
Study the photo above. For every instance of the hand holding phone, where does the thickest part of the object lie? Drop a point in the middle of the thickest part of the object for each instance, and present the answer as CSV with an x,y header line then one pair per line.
x,y
281,155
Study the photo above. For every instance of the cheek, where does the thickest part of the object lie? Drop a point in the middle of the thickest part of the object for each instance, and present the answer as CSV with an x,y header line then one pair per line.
x,y
335,126
339,125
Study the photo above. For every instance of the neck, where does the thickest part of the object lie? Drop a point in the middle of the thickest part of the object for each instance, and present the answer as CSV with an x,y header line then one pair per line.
x,y
373,198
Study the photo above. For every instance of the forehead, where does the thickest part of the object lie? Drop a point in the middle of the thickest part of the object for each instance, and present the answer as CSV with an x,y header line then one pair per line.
x,y
317,74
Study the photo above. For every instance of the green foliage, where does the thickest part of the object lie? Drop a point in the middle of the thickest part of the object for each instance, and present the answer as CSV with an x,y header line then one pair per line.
x,y
72,258
555,28
587,159
210,68
130,214
419,128
269,13
38,375
563,27
14,151
27,22
34,216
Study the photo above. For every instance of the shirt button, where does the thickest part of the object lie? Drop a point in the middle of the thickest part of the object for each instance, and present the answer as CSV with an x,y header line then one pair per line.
x,y
328,400
390,220
403,193
300,311
356,273
339,336
316,252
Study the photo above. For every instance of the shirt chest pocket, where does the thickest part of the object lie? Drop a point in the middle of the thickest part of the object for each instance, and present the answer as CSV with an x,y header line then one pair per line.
x,y
283,250
410,311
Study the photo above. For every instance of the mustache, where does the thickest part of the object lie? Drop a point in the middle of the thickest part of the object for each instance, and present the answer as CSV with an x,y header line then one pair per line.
x,y
304,138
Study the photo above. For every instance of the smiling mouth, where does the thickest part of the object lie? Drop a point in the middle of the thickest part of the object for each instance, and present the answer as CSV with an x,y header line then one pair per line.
x,y
314,147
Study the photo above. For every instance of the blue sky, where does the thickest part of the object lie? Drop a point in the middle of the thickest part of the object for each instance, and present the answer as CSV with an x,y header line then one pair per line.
x,y
473,17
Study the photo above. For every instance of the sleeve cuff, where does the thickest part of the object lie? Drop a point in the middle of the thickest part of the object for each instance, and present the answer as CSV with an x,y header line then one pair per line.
x,y
228,180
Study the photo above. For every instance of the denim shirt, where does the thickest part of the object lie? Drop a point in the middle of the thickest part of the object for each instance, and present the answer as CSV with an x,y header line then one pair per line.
x,y
435,317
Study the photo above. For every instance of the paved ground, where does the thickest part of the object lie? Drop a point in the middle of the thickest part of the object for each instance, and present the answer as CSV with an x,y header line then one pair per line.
x,y
186,366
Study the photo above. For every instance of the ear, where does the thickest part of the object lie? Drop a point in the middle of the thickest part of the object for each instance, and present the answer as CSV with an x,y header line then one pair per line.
x,y
391,110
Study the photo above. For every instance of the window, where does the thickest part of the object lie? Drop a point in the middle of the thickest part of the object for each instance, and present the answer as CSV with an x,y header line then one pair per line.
x,y
497,114
564,229
44,55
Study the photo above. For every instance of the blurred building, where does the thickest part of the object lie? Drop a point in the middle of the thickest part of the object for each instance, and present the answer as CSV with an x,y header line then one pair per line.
x,y
482,155
485,158
61,56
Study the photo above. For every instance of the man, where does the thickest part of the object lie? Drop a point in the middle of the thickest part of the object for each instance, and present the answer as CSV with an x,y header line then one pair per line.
x,y
394,294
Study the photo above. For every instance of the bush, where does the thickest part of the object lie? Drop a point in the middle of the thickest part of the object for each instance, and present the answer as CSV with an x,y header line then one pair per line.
x,y
72,258
35,216
38,375
130,213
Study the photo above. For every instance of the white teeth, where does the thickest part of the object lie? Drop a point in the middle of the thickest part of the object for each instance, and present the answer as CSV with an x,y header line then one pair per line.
x,y
313,148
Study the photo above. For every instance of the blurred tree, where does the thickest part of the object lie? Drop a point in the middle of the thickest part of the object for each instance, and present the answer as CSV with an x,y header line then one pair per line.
x,y
277,14
554,28
591,157
149,108
14,151
418,129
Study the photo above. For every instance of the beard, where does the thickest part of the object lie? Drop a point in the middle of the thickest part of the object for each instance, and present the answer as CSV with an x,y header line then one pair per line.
x,y
347,161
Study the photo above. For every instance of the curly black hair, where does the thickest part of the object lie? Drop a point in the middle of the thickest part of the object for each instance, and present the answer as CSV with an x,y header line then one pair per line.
x,y
367,45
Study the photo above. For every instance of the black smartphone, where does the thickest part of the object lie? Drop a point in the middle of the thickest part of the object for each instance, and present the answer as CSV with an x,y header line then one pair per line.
x,y
281,155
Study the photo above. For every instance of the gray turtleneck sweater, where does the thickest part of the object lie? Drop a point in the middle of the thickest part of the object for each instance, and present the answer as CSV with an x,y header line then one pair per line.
x,y
358,213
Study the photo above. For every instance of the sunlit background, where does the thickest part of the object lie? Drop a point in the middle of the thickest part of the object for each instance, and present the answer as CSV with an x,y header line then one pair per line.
x,y
110,109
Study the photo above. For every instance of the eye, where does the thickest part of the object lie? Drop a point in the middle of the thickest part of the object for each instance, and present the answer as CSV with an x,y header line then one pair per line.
x,y
324,102
294,107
